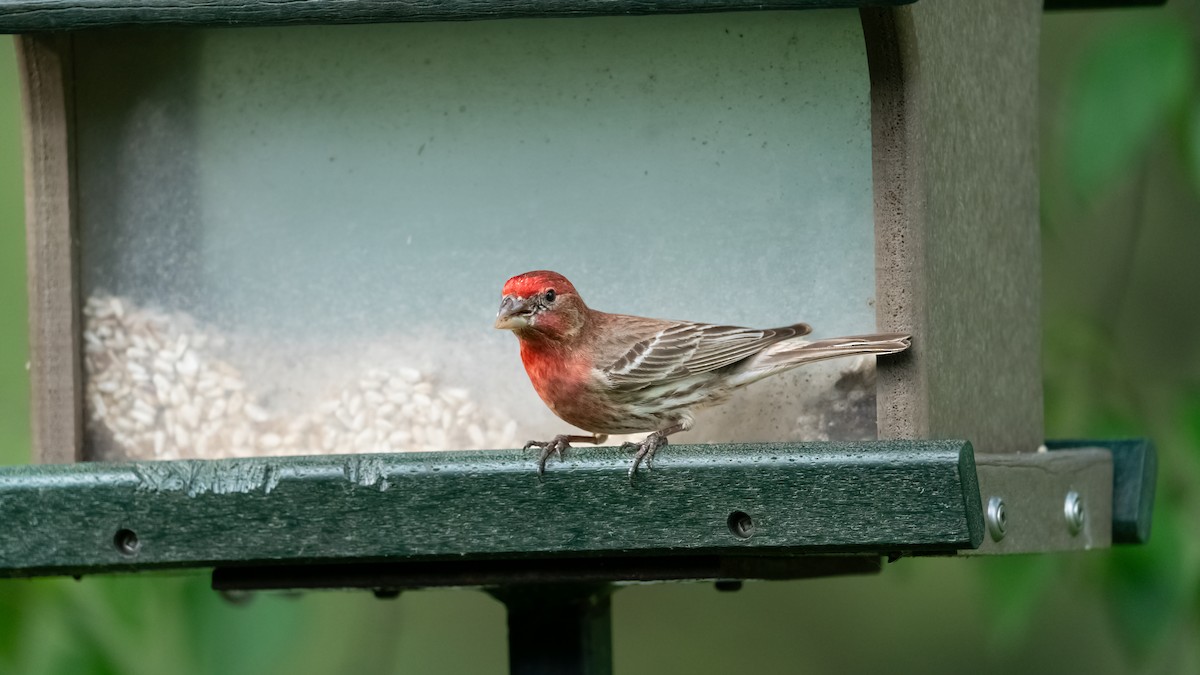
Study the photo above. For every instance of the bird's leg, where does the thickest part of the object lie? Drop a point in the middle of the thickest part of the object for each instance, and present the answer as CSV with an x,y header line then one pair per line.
x,y
560,443
651,444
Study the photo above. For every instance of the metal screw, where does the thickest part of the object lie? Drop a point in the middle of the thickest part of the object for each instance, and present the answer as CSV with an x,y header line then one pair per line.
x,y
997,520
1073,510
236,597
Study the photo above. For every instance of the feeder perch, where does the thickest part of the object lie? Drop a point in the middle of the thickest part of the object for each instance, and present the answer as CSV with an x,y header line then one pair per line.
x,y
266,241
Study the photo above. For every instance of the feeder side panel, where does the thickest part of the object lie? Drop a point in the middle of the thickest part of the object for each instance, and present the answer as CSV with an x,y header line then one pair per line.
x,y
955,135
55,379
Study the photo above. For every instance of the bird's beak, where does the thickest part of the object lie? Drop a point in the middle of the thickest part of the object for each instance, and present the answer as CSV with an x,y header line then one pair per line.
x,y
514,313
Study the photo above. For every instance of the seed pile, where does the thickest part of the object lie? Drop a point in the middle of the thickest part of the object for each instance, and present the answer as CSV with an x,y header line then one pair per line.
x,y
157,388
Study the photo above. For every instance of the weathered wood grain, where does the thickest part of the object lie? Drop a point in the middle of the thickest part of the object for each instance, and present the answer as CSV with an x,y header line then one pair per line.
x,y
19,16
802,498
958,252
54,341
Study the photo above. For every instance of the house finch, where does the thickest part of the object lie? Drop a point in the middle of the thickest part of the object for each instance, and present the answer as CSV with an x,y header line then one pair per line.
x,y
620,374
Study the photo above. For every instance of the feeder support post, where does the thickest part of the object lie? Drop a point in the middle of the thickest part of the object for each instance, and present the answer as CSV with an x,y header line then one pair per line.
x,y
558,628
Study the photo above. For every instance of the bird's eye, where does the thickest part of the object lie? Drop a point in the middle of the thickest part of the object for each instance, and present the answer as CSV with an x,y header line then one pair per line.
x,y
550,295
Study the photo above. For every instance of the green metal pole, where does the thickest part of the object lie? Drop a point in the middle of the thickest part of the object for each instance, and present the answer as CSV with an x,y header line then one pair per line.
x,y
558,628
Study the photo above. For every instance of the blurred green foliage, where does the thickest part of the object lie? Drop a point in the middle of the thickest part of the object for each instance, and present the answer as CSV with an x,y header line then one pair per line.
x,y
1141,76
1121,224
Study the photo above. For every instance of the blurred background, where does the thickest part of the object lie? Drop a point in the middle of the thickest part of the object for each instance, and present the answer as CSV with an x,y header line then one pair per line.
x,y
1121,235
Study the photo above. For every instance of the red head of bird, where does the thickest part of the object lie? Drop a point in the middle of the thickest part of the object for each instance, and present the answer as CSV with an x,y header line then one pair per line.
x,y
541,305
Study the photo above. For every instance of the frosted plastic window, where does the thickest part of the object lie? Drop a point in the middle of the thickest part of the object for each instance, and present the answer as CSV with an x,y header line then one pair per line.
x,y
294,239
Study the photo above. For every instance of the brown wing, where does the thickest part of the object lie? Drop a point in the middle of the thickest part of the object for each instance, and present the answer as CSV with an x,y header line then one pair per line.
x,y
679,349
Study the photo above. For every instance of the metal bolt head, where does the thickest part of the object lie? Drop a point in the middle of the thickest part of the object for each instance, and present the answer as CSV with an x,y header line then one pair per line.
x,y
1074,513
997,519
235,597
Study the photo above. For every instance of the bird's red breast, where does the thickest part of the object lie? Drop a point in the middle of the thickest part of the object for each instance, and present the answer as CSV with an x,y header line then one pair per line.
x,y
559,374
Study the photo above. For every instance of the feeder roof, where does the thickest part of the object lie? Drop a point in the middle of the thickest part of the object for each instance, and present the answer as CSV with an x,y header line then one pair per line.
x,y
22,16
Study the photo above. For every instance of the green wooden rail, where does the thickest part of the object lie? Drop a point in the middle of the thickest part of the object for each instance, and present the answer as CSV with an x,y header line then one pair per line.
x,y
19,16
699,503
24,16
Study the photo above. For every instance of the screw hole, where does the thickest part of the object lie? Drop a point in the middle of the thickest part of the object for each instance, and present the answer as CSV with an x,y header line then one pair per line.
x,y
126,542
741,525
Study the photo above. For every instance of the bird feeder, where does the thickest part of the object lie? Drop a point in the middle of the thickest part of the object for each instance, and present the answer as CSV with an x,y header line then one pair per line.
x,y
266,242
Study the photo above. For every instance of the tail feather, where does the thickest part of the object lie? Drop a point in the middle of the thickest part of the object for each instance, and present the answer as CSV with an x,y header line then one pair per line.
x,y
791,353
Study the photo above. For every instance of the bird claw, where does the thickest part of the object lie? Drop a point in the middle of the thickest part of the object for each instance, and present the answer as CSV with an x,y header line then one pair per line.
x,y
547,448
644,451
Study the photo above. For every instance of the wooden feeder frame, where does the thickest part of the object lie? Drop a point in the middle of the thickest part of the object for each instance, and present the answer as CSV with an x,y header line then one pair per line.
x,y
957,264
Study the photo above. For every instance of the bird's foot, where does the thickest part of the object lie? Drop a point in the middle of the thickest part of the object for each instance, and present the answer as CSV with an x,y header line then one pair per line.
x,y
645,451
547,448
